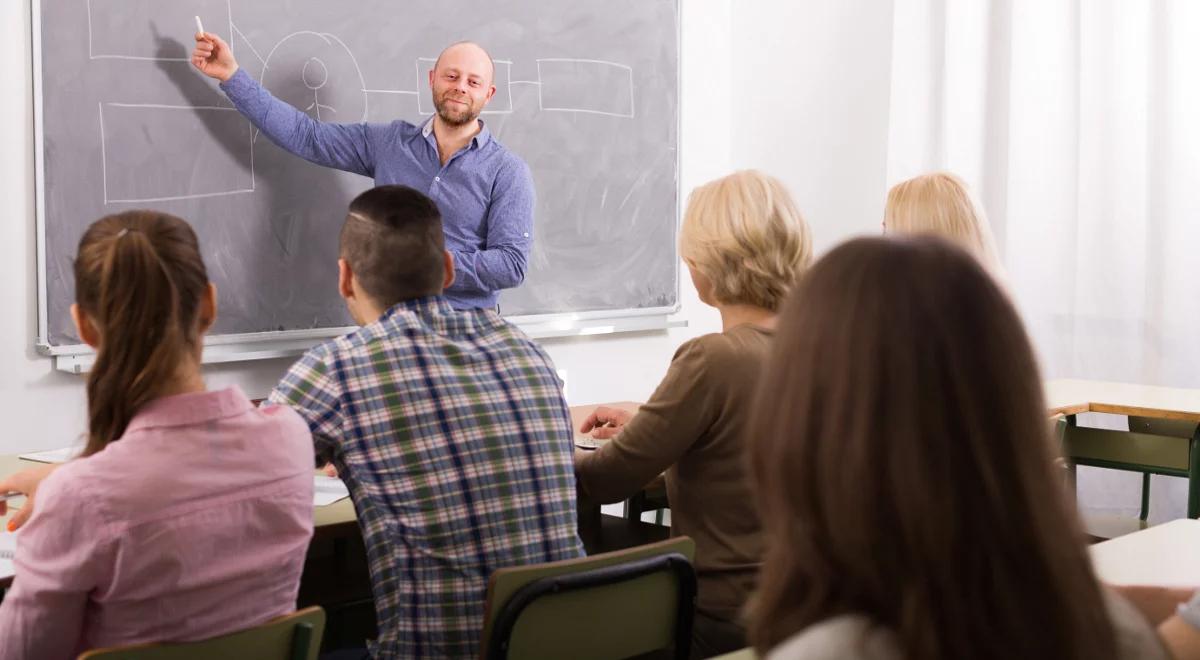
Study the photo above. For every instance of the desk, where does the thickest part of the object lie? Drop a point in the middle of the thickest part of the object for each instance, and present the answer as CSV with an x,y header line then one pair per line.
x,y
1165,452
1166,555
330,522
8,465
338,542
1071,397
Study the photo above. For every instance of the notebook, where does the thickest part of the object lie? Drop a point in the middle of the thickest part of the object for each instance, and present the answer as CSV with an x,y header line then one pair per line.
x,y
8,546
327,490
53,456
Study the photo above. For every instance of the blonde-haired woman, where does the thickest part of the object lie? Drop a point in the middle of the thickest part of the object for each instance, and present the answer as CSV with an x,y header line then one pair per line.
x,y
941,204
746,246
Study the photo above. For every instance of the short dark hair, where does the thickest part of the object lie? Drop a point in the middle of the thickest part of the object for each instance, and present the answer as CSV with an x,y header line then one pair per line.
x,y
393,241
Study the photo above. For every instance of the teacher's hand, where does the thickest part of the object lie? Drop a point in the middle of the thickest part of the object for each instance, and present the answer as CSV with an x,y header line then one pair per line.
x,y
213,57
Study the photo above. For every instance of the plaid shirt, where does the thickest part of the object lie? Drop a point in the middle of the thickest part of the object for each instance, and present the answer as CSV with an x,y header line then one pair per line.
x,y
452,434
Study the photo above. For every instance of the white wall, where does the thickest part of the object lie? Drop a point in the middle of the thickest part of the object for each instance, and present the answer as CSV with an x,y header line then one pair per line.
x,y
811,90
45,409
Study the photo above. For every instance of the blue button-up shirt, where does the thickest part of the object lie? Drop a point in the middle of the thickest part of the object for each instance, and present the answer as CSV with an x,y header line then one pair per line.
x,y
485,192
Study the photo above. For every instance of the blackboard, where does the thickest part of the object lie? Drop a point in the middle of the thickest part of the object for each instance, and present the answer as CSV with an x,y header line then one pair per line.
x,y
587,94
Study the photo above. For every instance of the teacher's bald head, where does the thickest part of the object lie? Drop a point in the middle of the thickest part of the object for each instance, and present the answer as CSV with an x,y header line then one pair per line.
x,y
469,56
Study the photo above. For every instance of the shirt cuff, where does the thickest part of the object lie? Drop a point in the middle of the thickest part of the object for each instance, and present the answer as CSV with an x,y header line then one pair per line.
x,y
237,82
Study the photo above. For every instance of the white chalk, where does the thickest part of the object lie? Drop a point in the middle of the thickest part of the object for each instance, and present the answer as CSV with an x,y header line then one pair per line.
x,y
199,25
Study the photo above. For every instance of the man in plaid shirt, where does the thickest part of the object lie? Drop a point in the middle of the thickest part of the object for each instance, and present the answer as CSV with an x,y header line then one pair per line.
x,y
449,428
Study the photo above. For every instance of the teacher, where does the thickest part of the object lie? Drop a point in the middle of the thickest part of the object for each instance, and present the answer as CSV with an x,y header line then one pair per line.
x,y
484,191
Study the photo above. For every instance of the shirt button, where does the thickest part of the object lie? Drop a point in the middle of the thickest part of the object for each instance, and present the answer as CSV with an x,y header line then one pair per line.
x,y
437,178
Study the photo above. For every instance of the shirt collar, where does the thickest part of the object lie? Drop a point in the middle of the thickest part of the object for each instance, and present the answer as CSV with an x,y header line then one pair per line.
x,y
189,409
480,140
424,306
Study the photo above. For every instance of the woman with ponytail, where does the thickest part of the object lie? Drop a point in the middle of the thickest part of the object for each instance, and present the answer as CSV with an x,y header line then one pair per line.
x,y
189,513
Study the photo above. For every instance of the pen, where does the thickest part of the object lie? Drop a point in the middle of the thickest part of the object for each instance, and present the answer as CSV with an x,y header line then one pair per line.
x,y
10,495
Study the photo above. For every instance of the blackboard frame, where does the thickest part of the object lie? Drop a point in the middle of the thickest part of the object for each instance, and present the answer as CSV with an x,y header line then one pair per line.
x,y
228,347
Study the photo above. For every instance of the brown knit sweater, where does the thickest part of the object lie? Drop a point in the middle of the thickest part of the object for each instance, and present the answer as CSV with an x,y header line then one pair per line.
x,y
693,427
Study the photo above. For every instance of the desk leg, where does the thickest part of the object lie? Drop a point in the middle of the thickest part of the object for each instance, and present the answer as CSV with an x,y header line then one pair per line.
x,y
1144,514
1064,427
1194,475
588,522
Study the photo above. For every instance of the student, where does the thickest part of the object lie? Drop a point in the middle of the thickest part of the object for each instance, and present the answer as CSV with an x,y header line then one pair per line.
x,y
484,190
189,514
448,427
902,463
745,245
942,205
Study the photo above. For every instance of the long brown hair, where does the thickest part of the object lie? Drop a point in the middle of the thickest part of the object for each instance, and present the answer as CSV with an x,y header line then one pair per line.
x,y
140,278
902,457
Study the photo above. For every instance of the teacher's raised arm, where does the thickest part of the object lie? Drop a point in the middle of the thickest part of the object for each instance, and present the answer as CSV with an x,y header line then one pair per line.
x,y
483,190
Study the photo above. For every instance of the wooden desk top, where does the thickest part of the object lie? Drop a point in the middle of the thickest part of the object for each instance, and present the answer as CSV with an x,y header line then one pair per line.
x,y
8,465
324,517
1070,397
1162,556
338,513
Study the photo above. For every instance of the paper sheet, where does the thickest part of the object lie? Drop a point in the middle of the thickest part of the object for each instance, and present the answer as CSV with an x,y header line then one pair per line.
x,y
8,545
327,490
53,456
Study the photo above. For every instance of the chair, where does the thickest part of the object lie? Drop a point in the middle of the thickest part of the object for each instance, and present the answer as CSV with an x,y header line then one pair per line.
x,y
608,606
296,636
1150,446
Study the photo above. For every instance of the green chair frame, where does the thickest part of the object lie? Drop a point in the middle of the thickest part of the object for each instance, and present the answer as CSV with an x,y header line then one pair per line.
x,y
612,605
296,636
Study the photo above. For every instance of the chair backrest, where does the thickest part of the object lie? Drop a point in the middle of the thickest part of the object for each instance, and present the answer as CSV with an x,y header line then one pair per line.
x,y
1175,428
296,636
612,605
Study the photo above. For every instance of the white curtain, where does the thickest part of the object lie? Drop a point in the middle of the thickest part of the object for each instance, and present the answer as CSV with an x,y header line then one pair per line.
x,y
1078,124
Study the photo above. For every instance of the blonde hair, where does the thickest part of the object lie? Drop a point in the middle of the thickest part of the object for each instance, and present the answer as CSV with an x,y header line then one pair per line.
x,y
744,233
941,204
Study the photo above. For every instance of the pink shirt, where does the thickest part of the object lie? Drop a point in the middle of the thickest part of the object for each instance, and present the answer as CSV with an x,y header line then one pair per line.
x,y
193,525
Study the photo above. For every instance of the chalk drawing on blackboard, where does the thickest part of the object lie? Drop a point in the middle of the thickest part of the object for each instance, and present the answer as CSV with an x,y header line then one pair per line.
x,y
501,103
597,87
329,76
122,29
235,30
150,139
315,74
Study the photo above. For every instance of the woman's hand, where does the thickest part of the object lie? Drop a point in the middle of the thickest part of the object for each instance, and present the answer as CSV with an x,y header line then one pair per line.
x,y
27,482
605,422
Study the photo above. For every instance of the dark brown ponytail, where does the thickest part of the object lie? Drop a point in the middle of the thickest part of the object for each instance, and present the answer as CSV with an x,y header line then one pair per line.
x,y
140,278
